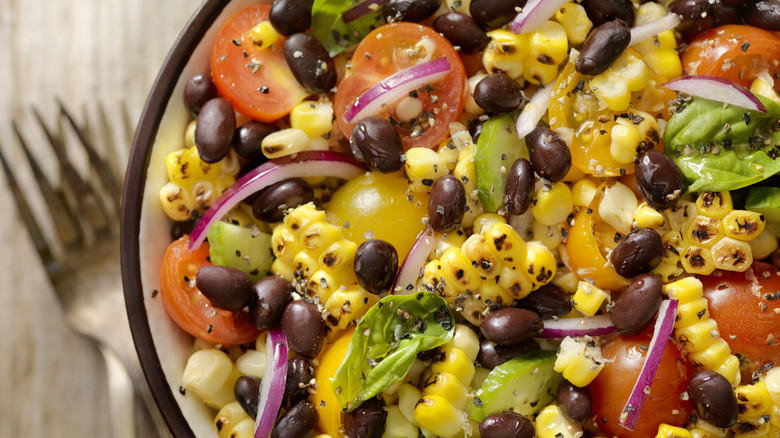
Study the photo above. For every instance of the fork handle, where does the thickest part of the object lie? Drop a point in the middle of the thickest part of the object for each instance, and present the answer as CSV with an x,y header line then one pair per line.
x,y
121,397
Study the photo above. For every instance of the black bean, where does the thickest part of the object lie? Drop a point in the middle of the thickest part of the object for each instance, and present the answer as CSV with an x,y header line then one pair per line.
x,y
376,263
179,229
494,13
697,16
492,355
376,144
576,403
714,399
636,306
475,129
304,327
603,46
775,258
764,14
637,252
602,11
247,392
549,301
271,202
724,13
270,297
410,10
548,153
227,288
461,31
299,376
507,425
659,179
249,138
498,93
198,90
289,17
510,325
447,204
367,420
519,190
298,422
214,129
310,63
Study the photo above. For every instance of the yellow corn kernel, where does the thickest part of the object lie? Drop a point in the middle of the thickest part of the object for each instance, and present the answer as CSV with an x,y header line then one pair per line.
x,y
753,400
575,21
540,264
456,362
280,268
339,257
466,340
587,300
617,207
284,142
697,336
458,272
567,281
553,206
749,428
177,202
539,73
304,265
244,429
551,423
685,290
476,249
230,416
668,271
204,193
711,357
673,246
466,173
744,225
730,370
764,245
704,429
397,425
447,149
515,281
439,416
422,168
772,382
692,312
667,431
263,35
189,134
284,244
627,74
485,220
344,306
448,386
505,53
761,87
301,216
549,44
714,204
663,61
548,235
732,255
579,362
697,260
583,192
433,278
322,284
680,215
207,373
703,231
506,244
447,240
316,237
313,118
646,216
625,139
493,294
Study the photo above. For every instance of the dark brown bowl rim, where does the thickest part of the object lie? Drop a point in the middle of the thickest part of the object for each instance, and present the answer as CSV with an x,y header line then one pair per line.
x,y
133,194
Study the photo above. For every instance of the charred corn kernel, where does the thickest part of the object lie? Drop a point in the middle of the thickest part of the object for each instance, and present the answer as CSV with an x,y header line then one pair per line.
x,y
667,431
475,248
617,207
206,375
730,370
433,278
685,290
447,149
439,416
205,194
761,87
540,264
575,22
646,216
703,231
680,215
578,361
583,192
284,142
447,240
455,361
763,245
177,202
744,225
714,204
587,300
548,235
339,257
753,400
553,206
549,44
711,357
313,118
551,423
485,220
505,243
466,340
397,425
304,265
458,272
697,260
692,312
408,395
301,216
668,271
627,74
448,386
316,237
750,428
493,294
244,429
505,53
284,244
732,255
466,173
229,417
516,282
698,335
539,73
251,363
344,306
422,168
322,284
263,35
625,140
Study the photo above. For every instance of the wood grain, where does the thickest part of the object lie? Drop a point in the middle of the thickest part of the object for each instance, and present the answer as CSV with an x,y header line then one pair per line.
x,y
52,381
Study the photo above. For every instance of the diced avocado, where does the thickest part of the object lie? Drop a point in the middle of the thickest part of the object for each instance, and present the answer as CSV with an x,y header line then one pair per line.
x,y
525,384
246,249
497,149
766,200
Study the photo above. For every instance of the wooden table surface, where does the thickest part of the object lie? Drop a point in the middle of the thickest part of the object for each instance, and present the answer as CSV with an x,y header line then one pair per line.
x,y
52,381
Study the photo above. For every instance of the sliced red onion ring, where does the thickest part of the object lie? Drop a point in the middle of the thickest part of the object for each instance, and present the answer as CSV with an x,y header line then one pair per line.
x,y
301,165
718,89
663,329
533,111
272,385
393,87
361,9
653,28
575,327
534,14
414,262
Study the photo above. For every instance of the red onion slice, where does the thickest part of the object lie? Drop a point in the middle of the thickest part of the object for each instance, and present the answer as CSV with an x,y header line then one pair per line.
x,y
663,329
653,28
576,327
301,165
272,385
414,262
393,87
361,9
534,14
533,111
718,89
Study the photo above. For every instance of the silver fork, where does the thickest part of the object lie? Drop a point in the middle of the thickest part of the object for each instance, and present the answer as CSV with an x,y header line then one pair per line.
x,y
83,265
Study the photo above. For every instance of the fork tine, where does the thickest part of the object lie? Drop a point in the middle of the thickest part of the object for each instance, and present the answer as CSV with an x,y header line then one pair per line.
x,y
44,252
110,142
65,223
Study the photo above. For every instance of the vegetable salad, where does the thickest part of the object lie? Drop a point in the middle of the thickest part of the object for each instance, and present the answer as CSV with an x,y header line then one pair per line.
x,y
482,218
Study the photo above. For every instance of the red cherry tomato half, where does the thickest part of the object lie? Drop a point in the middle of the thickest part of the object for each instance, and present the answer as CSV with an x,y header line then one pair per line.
x,y
189,308
390,49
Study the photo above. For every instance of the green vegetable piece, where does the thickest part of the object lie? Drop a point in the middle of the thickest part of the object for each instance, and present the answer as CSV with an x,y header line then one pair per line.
x,y
329,28
246,249
525,384
497,149
386,342
723,148
766,200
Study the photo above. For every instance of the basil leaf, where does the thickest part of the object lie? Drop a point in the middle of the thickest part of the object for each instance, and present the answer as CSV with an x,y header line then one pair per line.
x,y
721,148
328,26
386,342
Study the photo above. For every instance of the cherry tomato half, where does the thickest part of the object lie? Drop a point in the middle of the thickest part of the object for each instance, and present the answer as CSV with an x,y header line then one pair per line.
x,y
585,256
256,81
390,49
189,308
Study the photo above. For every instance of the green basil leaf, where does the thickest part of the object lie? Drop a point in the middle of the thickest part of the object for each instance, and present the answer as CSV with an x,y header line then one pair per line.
x,y
723,148
329,28
386,342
